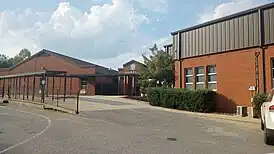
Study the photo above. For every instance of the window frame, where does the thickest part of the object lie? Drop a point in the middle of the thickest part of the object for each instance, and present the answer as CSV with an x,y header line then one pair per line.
x,y
199,75
187,76
83,86
211,74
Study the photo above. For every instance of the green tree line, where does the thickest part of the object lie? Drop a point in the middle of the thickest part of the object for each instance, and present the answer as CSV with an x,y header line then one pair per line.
x,y
7,62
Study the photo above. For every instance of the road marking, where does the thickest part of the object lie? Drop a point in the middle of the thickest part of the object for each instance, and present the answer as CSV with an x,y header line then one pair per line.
x,y
3,113
31,138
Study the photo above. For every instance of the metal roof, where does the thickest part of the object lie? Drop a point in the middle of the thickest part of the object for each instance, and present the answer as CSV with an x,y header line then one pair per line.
x,y
225,18
71,59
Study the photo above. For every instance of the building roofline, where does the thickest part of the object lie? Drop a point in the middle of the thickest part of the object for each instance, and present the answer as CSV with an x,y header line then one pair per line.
x,y
133,61
58,55
242,13
168,45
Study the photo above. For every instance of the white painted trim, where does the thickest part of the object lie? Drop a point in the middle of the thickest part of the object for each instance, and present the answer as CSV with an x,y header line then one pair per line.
x,y
212,73
189,83
200,74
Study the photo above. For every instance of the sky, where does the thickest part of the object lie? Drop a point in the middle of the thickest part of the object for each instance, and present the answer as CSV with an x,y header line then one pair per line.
x,y
104,32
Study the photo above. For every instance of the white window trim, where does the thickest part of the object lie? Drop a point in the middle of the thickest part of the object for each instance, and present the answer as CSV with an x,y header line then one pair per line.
x,y
189,83
212,74
200,82
189,75
200,74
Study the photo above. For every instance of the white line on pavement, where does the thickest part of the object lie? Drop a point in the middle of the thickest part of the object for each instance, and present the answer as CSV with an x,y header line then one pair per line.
x,y
3,113
31,138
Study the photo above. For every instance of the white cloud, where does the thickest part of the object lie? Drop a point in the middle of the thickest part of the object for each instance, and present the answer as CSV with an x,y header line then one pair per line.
x,y
103,32
228,8
154,5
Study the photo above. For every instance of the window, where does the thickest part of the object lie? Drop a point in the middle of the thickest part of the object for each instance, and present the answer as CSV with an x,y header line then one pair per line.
x,y
84,84
188,78
132,67
211,78
200,76
272,70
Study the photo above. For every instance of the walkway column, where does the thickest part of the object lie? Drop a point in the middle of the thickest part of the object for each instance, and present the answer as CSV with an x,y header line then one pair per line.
x,y
3,88
24,87
65,87
33,88
19,87
27,87
52,91
47,84
16,87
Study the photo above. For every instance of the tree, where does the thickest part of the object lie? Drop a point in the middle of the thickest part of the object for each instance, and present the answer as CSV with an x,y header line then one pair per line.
x,y
160,68
6,62
23,54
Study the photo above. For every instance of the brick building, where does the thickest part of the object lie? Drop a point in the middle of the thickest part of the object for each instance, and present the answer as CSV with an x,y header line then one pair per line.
x,y
128,78
81,75
233,55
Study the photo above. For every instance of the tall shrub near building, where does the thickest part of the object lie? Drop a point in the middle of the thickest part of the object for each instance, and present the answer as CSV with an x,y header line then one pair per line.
x,y
159,71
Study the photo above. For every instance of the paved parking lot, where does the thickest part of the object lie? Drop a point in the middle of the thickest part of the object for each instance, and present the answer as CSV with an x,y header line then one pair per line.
x,y
28,129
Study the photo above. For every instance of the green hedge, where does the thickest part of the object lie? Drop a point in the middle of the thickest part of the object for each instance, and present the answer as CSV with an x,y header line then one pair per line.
x,y
183,99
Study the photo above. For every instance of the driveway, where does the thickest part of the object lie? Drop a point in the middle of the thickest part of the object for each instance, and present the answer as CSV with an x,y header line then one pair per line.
x,y
135,129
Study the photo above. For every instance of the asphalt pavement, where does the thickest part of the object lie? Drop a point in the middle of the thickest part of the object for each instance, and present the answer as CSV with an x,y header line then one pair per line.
x,y
27,129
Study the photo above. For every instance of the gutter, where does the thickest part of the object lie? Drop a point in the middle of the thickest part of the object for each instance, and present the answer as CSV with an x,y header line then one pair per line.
x,y
180,62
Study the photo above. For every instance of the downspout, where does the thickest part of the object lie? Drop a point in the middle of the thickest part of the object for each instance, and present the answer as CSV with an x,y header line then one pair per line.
x,y
264,76
262,46
179,54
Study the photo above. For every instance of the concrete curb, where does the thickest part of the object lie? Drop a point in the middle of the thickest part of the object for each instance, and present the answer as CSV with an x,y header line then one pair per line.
x,y
46,106
212,115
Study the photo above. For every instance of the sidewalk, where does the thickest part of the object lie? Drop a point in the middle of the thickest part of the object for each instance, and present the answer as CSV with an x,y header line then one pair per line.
x,y
206,115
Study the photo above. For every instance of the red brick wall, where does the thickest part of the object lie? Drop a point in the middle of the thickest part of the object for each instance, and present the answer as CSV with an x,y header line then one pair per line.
x,y
56,64
177,74
235,73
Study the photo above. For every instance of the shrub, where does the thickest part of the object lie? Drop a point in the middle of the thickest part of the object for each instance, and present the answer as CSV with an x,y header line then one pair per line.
x,y
183,99
153,96
258,100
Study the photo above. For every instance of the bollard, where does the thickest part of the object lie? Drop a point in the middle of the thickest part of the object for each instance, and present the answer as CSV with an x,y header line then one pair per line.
x,y
77,103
